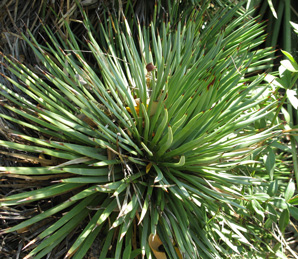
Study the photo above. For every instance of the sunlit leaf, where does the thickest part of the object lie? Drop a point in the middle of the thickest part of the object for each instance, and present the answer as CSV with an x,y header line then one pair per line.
x,y
290,190
291,94
289,65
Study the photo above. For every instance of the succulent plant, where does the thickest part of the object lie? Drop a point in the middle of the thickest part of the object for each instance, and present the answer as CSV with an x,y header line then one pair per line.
x,y
145,141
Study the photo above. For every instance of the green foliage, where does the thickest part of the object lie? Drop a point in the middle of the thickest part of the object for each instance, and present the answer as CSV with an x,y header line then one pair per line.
x,y
155,136
285,85
287,81
278,15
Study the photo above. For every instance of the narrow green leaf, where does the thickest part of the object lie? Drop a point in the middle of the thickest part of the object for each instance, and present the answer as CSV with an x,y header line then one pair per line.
x,y
42,193
159,174
284,219
165,146
226,240
63,231
127,250
144,235
178,164
146,149
290,57
273,188
269,160
91,179
146,202
294,200
160,128
119,247
294,212
107,244
272,9
78,209
258,208
40,217
99,216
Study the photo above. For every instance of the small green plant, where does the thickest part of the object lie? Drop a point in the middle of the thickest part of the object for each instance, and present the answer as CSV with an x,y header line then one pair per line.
x,y
147,141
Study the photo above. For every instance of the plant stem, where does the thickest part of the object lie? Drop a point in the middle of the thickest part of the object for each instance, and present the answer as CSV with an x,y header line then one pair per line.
x,y
287,26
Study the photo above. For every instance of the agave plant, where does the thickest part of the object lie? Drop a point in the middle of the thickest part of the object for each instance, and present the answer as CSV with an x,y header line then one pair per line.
x,y
147,142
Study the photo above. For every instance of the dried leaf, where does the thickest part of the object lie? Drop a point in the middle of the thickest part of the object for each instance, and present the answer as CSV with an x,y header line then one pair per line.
x,y
155,243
